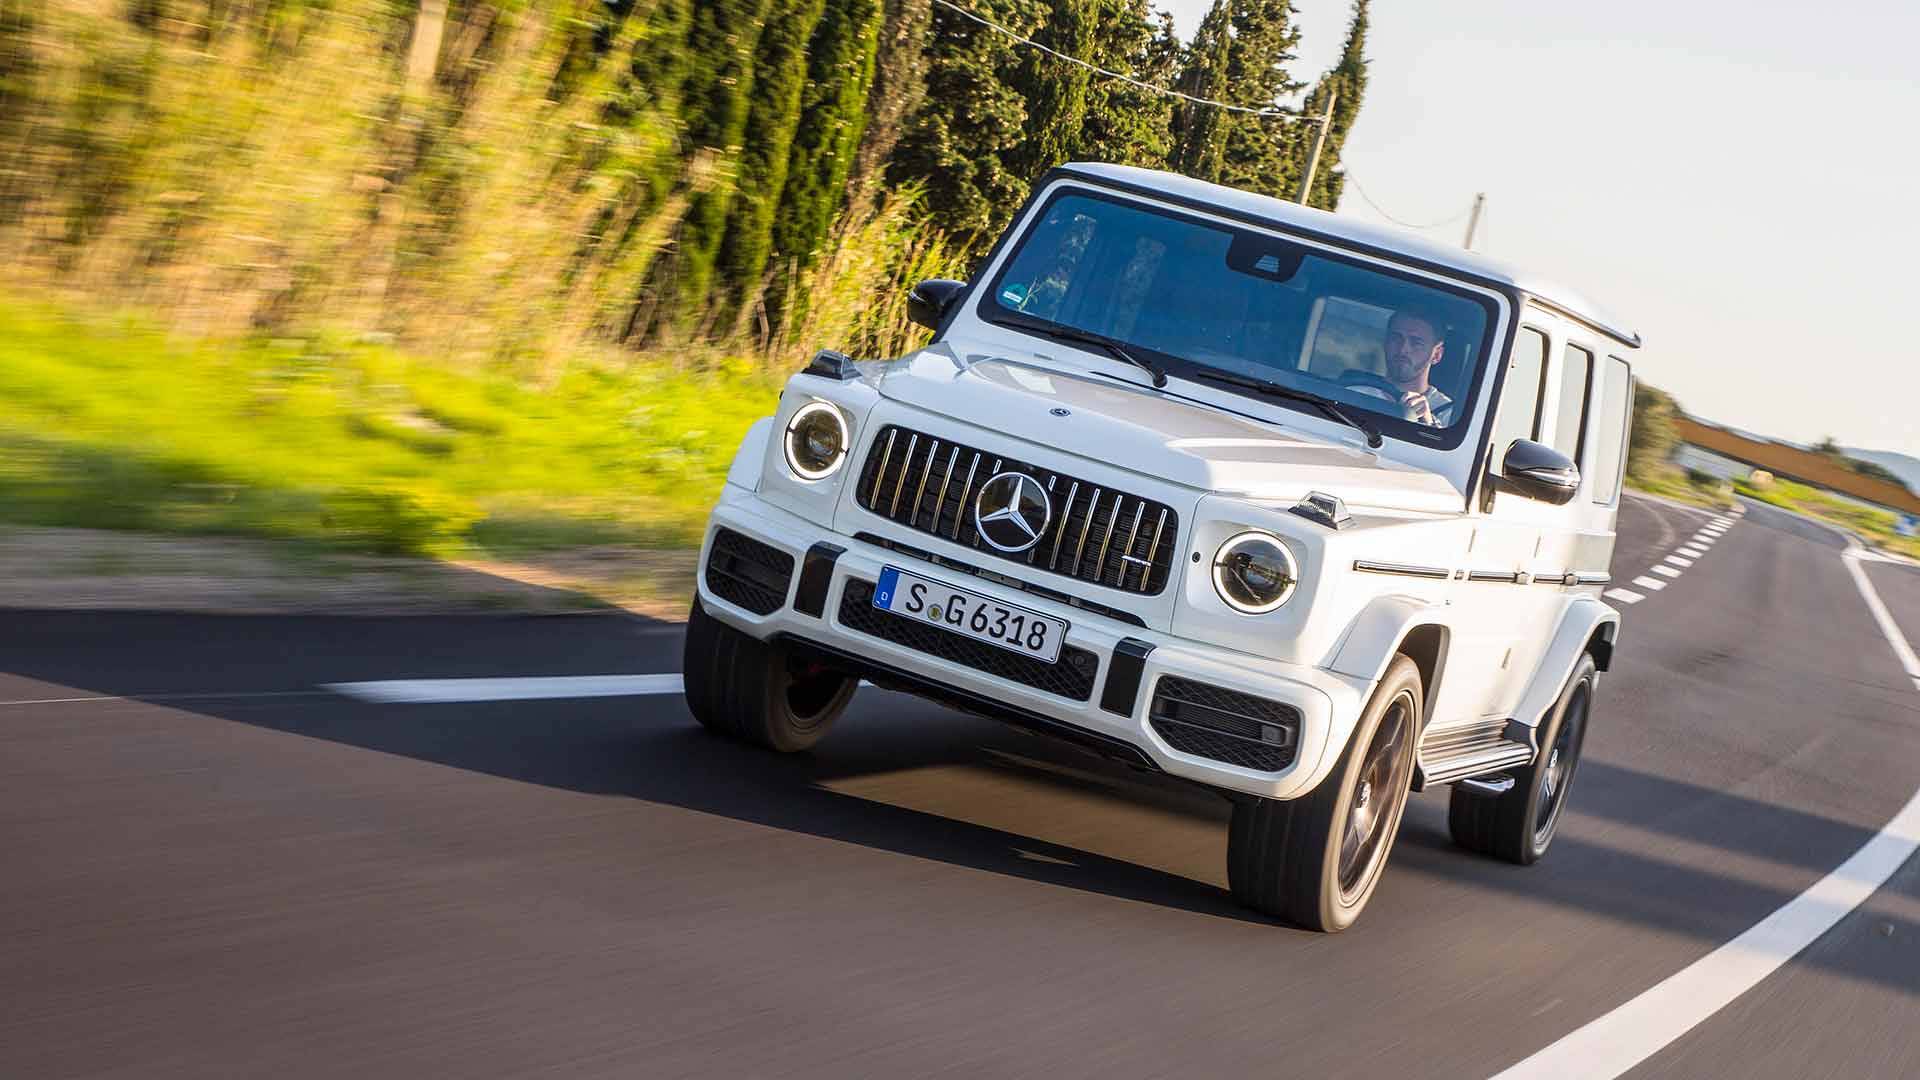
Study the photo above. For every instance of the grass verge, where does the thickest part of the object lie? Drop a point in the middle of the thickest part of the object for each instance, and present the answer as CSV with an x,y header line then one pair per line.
x,y
1876,527
107,422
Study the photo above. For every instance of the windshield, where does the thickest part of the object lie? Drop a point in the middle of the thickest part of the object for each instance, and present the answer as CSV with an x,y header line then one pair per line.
x,y
1204,299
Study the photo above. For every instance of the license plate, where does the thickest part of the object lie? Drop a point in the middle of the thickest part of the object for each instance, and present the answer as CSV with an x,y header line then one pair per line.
x,y
1015,629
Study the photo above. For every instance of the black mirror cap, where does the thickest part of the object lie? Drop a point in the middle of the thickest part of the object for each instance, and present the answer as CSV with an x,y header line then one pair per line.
x,y
1538,471
930,301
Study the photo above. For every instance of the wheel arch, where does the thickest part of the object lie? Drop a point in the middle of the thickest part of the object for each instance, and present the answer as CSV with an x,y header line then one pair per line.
x,y
1587,627
1394,626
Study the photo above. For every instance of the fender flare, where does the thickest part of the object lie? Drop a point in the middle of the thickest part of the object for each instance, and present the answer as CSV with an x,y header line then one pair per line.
x,y
748,460
1584,619
1376,635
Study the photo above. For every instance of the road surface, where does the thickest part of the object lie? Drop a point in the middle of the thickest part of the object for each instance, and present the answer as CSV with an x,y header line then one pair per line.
x,y
210,864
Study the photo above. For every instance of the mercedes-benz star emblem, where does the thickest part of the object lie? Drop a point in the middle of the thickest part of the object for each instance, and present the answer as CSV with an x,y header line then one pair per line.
x,y
1012,511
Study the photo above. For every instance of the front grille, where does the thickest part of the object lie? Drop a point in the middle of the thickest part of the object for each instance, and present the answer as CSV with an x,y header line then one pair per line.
x,y
1071,677
747,573
1225,725
1096,534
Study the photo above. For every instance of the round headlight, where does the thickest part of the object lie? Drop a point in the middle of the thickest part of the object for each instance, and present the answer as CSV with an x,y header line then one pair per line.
x,y
1254,573
816,441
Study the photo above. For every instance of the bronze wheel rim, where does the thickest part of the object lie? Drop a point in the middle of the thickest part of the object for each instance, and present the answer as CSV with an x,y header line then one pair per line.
x,y
1372,806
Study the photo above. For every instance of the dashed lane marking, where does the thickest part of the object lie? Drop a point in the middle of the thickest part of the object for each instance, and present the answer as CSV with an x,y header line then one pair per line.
x,y
1692,551
1640,1028
1625,596
1666,571
1651,584
436,691
1679,560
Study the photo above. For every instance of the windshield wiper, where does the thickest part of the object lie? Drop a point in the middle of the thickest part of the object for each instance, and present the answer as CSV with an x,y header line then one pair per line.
x,y
1088,337
1280,390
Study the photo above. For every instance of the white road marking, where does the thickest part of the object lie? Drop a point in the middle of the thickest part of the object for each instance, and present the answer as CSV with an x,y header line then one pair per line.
x,y
432,691
1640,1028
1625,596
1703,538
213,695
1666,571
1651,584
1679,560
1692,551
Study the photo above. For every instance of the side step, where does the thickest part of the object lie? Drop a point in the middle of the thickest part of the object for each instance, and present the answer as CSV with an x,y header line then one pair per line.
x,y
1473,750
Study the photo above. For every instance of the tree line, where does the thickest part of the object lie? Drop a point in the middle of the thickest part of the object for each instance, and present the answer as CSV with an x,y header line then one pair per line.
x,y
640,171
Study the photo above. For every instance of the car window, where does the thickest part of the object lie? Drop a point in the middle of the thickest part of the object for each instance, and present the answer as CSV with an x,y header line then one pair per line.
x,y
1202,298
1519,416
1610,428
1576,372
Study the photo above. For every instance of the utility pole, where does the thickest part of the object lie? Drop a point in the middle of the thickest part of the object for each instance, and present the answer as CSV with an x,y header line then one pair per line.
x,y
1319,143
1473,218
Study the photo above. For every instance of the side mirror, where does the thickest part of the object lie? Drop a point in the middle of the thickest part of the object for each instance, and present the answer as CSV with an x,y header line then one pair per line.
x,y
1538,471
930,301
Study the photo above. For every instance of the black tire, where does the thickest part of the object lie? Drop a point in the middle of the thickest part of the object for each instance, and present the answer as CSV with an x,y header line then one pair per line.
x,y
1518,826
758,692
1285,858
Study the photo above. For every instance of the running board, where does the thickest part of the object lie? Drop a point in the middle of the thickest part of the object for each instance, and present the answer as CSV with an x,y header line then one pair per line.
x,y
1472,750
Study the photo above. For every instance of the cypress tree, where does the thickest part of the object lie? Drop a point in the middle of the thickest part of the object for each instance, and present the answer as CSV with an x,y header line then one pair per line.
x,y
721,44
1258,154
780,74
1055,90
1200,131
1349,79
899,84
971,114
1125,124
833,115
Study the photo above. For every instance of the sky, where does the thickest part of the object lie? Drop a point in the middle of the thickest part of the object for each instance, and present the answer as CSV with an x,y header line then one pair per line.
x,y
1733,180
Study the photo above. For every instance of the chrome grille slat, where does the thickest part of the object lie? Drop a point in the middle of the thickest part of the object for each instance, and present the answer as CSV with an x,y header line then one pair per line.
x,y
881,473
1153,549
898,476
960,512
1126,554
1113,518
1060,534
920,492
905,465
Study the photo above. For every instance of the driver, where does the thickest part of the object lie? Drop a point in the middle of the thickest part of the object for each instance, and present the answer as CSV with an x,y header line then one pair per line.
x,y
1415,342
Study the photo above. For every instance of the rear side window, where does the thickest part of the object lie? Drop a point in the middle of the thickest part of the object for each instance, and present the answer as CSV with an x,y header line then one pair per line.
x,y
1610,428
1520,396
1575,375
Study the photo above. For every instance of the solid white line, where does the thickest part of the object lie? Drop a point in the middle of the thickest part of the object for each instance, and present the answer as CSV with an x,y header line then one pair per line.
x,y
1666,571
1625,596
215,695
1678,560
1640,1028
1651,584
431,691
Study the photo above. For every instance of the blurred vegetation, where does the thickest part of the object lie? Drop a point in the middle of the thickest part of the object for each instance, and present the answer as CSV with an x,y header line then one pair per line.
x,y
1650,445
1874,526
107,421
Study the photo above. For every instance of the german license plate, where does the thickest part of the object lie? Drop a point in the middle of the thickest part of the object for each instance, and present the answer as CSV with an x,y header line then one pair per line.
x,y
1028,633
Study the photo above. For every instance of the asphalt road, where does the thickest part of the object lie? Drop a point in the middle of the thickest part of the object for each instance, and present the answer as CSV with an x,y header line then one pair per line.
x,y
211,866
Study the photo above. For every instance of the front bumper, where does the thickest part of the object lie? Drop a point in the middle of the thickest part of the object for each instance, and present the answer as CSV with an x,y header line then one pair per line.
x,y
1110,718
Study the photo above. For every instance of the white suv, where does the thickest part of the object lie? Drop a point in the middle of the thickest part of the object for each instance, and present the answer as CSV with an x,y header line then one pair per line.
x,y
1309,512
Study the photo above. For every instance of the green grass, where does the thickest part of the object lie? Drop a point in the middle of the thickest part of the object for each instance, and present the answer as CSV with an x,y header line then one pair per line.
x,y
1875,526
1681,486
107,422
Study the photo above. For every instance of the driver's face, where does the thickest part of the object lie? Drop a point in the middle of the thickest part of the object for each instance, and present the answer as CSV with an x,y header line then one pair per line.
x,y
1413,345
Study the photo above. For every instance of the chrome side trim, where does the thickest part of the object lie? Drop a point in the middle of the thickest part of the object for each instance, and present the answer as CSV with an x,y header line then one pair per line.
x,y
1492,575
1591,577
1368,567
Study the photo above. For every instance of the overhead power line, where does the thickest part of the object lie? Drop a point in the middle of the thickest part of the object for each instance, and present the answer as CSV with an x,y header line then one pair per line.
x,y
1365,198
1270,112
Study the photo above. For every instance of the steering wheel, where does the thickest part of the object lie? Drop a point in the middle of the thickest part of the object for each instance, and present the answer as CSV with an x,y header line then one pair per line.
x,y
1354,378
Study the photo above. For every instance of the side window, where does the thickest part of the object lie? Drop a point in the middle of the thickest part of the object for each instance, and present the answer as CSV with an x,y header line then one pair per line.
x,y
1610,428
1519,416
1576,374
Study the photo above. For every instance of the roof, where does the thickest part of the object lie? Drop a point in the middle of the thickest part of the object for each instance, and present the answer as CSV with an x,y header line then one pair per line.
x,y
1348,232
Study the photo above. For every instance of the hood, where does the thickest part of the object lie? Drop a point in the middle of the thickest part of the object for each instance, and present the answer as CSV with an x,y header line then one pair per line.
x,y
1202,447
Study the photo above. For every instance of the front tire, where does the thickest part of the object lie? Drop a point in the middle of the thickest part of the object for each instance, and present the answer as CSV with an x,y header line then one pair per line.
x,y
1314,861
1518,825
752,691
